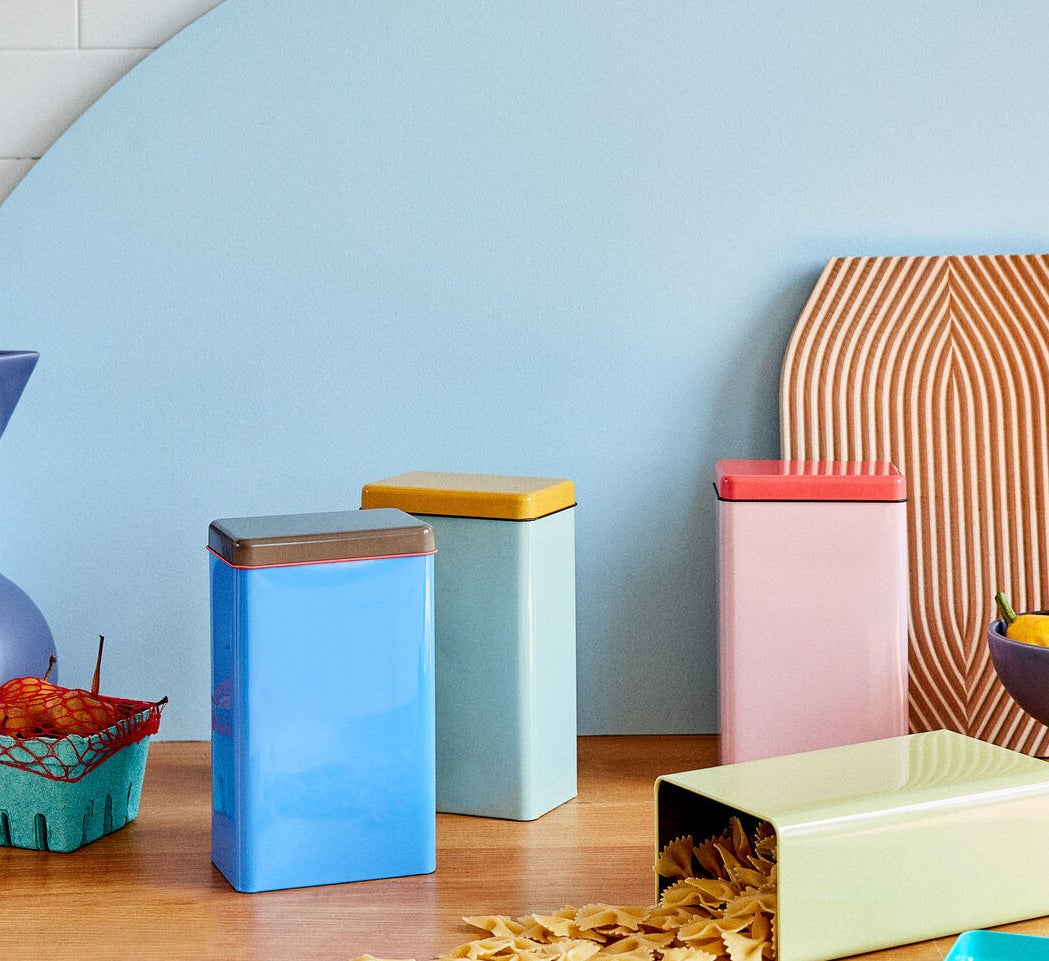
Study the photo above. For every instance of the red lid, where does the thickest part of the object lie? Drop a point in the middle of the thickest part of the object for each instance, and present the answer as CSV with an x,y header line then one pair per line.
x,y
809,480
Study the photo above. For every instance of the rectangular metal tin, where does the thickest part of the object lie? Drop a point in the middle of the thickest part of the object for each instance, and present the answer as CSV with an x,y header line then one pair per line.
x,y
882,843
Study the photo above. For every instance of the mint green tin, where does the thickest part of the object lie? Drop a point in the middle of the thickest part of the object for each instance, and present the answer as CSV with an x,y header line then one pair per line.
x,y
882,843
505,636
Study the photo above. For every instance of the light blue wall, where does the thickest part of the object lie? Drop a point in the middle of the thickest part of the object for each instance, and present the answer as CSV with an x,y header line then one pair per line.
x,y
306,246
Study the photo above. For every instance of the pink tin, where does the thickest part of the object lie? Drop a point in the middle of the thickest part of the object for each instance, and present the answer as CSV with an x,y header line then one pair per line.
x,y
812,596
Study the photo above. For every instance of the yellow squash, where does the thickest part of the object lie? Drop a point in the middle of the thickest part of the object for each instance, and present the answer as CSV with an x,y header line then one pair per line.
x,y
1028,628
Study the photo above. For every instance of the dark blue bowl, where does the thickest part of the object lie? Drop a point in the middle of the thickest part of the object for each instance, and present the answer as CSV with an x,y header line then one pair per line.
x,y
1023,670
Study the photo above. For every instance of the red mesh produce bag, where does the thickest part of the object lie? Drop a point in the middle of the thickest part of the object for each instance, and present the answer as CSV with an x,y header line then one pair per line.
x,y
62,733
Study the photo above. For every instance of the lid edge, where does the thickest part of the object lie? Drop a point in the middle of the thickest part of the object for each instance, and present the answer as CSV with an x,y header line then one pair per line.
x,y
405,493
285,540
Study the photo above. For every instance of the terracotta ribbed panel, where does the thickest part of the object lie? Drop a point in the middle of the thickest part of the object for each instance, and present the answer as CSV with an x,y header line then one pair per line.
x,y
941,365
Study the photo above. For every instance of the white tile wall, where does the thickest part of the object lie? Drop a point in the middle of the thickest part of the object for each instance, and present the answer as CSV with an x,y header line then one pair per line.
x,y
53,88
58,56
38,24
12,171
136,23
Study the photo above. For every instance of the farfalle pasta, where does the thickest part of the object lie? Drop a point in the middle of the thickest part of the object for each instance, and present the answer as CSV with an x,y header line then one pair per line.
x,y
720,905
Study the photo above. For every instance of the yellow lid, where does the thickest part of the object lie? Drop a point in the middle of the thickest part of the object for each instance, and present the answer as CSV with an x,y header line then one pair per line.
x,y
471,495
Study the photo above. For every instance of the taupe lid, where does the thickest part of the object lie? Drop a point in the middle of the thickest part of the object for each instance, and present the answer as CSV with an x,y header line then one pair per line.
x,y
312,538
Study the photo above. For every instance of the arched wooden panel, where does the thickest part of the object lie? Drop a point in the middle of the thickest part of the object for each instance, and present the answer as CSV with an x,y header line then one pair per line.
x,y
941,365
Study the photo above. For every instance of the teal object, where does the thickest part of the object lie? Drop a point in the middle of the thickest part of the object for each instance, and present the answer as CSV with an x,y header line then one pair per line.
x,y
322,698
998,946
68,810
505,637
879,843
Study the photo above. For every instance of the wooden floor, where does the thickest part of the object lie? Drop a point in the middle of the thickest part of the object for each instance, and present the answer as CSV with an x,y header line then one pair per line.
x,y
150,890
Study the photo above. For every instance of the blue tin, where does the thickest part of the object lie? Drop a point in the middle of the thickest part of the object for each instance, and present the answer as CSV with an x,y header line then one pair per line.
x,y
323,743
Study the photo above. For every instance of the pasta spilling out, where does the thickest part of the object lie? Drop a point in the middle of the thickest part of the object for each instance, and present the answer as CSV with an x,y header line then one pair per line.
x,y
719,905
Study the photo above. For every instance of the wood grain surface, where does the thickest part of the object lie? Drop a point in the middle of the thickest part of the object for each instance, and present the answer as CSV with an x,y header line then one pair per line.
x,y
150,891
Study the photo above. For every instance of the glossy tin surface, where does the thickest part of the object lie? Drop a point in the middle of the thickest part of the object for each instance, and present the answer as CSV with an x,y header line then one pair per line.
x,y
311,538
323,763
812,624
792,480
505,646
878,844
471,495
505,637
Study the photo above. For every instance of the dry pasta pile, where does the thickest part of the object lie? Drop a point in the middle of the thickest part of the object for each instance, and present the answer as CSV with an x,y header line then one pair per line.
x,y
720,906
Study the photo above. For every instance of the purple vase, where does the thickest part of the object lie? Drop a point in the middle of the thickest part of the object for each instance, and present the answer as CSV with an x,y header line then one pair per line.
x,y
26,644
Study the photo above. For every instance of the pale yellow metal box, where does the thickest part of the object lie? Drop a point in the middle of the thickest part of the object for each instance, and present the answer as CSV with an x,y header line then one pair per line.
x,y
885,842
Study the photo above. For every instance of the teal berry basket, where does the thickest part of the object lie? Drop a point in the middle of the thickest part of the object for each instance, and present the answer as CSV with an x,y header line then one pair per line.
x,y
60,793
